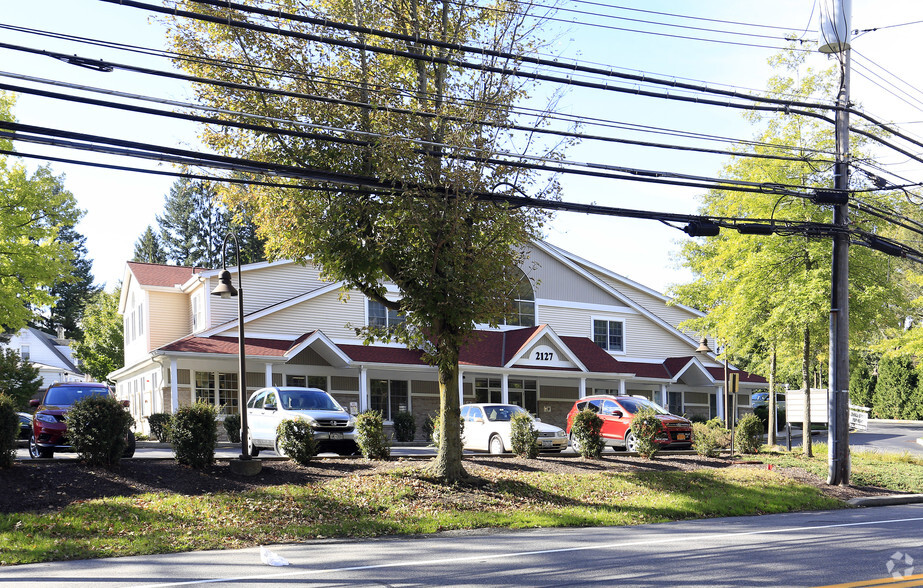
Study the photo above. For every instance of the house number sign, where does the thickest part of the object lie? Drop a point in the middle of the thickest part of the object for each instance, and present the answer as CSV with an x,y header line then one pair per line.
x,y
544,353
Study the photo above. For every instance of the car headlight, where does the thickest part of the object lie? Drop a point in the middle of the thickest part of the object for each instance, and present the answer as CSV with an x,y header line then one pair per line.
x,y
45,418
308,420
560,434
352,421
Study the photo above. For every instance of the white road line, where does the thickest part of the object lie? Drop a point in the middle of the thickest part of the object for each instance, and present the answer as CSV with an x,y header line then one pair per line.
x,y
430,562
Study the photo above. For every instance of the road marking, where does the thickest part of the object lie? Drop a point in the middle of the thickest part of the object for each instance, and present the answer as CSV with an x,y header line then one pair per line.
x,y
906,581
470,558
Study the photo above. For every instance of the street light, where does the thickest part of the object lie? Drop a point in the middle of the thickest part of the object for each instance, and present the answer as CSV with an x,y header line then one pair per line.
x,y
729,401
246,465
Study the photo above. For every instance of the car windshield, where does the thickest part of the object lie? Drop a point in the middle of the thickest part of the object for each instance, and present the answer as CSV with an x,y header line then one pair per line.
x,y
502,412
67,395
307,400
633,405
762,396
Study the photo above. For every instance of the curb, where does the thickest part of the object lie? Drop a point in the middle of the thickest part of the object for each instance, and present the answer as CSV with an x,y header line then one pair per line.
x,y
886,500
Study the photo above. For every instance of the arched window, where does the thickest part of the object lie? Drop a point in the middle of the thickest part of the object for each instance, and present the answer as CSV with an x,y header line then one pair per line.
x,y
523,303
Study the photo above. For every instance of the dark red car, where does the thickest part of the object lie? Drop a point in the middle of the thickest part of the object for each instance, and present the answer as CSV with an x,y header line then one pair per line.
x,y
49,429
616,413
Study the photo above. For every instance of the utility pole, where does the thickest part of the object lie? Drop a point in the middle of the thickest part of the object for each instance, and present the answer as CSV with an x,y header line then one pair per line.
x,y
835,31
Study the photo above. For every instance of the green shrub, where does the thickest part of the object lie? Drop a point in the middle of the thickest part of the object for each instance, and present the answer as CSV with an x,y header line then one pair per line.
x,y
586,434
436,423
160,423
194,433
645,426
370,435
748,438
9,430
523,436
429,425
97,428
232,427
716,423
296,438
709,440
405,426
762,413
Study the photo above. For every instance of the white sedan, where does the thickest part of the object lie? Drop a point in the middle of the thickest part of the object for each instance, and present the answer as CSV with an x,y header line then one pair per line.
x,y
487,427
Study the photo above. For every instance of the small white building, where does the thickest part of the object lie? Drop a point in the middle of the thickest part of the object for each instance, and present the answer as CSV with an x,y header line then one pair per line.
x,y
51,355
581,329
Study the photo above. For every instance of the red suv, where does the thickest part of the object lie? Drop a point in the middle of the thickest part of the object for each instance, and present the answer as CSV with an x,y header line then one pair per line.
x,y
616,413
49,428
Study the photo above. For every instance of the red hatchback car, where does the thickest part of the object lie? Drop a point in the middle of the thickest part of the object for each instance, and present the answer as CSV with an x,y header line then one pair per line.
x,y
49,428
616,413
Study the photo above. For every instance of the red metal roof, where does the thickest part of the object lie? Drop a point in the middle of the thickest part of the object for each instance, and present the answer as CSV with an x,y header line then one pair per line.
x,y
155,274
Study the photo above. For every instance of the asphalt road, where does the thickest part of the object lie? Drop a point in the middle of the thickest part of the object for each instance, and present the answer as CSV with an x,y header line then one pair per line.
x,y
795,549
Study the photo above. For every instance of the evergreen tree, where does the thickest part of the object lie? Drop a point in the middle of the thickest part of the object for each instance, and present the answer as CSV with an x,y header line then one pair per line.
x,y
18,379
71,292
897,383
148,248
862,380
178,224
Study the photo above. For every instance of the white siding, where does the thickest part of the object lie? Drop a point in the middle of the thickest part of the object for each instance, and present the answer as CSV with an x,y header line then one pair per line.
x,y
559,282
171,319
326,313
674,315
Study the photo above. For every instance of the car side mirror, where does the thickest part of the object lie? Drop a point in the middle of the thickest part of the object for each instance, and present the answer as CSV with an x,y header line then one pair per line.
x,y
125,403
34,403
617,414
536,419
270,407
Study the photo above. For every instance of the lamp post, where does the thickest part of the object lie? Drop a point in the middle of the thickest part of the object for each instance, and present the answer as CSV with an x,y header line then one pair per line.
x,y
729,400
245,465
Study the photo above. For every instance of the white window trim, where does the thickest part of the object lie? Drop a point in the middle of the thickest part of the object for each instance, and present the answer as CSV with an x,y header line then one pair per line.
x,y
610,319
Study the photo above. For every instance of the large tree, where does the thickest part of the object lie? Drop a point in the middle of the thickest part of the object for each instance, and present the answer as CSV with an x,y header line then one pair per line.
x,y
72,291
148,248
19,379
34,209
101,351
423,125
767,297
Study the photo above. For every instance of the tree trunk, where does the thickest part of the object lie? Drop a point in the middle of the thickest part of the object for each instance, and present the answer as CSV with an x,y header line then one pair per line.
x,y
447,465
771,439
806,388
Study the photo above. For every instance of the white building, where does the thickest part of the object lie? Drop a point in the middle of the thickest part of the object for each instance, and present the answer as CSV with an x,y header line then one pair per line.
x,y
51,355
581,330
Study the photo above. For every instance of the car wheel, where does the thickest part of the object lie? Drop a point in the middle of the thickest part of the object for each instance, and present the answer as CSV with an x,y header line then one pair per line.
x,y
251,448
631,442
38,452
496,444
130,445
279,449
574,443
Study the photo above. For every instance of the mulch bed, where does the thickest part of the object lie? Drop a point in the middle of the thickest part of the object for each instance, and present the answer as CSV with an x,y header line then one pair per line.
x,y
53,484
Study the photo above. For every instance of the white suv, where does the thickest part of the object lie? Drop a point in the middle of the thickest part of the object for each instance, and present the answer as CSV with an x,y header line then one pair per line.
x,y
334,428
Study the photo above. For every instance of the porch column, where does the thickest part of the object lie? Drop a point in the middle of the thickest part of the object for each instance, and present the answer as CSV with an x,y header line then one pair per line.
x,y
174,390
664,398
720,403
268,375
461,388
505,389
582,388
622,388
363,389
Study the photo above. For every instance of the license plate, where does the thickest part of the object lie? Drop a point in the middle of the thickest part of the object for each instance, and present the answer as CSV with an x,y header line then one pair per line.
x,y
681,436
336,435
546,443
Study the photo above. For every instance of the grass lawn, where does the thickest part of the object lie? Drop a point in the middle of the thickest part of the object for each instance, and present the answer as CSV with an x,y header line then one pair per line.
x,y
399,502
901,472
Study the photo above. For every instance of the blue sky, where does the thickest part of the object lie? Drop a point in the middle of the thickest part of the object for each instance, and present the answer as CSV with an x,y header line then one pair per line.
x,y
120,205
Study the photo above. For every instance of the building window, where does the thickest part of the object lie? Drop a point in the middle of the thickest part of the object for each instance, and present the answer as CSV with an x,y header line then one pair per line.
x,y
223,396
609,335
25,353
382,317
390,397
299,381
523,304
522,393
318,382
205,387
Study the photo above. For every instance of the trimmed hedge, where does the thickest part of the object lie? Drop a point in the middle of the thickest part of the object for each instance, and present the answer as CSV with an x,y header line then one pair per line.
x,y
748,438
160,423
296,439
523,436
586,434
645,426
97,427
194,434
405,426
9,430
370,433
232,427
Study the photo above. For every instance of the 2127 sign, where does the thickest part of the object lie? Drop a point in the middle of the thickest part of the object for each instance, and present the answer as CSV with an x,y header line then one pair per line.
x,y
544,356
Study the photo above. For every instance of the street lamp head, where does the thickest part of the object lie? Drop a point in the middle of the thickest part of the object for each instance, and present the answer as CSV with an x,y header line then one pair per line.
x,y
703,346
225,288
